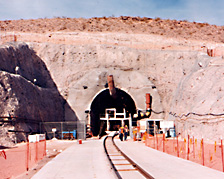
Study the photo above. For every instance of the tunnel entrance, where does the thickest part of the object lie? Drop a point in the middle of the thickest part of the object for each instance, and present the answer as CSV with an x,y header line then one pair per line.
x,y
121,102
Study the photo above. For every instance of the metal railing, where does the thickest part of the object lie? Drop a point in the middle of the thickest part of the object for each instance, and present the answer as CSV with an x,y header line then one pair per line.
x,y
64,130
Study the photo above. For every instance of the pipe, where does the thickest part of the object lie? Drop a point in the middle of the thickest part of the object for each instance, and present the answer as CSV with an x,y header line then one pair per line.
x,y
111,86
148,102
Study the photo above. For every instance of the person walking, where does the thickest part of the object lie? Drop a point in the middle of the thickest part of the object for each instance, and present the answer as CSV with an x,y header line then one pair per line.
x,y
121,133
125,132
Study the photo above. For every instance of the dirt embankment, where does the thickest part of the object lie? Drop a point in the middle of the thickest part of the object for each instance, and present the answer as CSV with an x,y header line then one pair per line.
x,y
123,24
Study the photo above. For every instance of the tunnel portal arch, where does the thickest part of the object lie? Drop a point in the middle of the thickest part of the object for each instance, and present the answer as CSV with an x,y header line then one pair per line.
x,y
89,84
104,100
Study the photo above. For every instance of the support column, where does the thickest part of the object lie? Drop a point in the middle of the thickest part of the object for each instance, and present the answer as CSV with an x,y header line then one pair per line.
x,y
107,116
130,127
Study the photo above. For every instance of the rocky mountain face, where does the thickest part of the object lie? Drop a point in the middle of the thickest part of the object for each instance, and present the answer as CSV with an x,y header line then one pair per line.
x,y
28,94
63,67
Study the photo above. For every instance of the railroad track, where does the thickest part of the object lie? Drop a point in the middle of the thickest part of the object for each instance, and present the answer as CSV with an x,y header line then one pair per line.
x,y
123,166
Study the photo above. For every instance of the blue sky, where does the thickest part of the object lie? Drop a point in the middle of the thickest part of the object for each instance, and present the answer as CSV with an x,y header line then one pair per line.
x,y
210,11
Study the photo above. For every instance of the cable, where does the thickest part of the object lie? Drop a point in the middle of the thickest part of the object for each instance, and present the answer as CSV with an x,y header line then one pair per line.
x,y
196,114
157,112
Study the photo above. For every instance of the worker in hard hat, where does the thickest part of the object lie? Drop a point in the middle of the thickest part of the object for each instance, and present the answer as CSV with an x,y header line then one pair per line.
x,y
121,133
125,132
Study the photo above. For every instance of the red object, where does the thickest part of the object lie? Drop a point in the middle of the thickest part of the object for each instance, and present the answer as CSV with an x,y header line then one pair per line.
x,y
188,147
203,153
80,141
27,156
3,154
154,141
148,101
45,147
36,149
177,147
193,147
15,38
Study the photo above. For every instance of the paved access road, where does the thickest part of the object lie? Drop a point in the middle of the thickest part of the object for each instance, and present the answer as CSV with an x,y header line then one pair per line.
x,y
86,160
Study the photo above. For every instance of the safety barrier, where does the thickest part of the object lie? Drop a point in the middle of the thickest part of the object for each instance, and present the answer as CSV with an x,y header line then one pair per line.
x,y
190,148
19,159
64,130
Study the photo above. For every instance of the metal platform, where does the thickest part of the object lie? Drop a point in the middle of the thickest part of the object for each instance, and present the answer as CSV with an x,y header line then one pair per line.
x,y
112,115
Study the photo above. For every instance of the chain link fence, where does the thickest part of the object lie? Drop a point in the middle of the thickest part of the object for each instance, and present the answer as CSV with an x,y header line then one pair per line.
x,y
64,130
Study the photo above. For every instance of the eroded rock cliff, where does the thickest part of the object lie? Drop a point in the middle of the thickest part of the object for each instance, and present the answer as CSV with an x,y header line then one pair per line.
x,y
27,92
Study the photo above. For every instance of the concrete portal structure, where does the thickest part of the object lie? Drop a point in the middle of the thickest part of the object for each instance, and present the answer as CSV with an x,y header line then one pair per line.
x,y
132,86
102,102
123,98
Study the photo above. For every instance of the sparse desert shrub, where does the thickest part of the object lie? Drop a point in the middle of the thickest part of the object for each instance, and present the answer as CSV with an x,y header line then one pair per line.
x,y
125,18
63,28
157,19
135,19
105,18
145,19
200,25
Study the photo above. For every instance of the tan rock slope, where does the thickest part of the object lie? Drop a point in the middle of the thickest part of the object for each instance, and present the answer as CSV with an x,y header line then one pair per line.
x,y
166,58
27,91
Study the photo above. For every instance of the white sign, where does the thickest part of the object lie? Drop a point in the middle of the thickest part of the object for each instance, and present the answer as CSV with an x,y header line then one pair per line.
x,y
166,124
36,137
54,129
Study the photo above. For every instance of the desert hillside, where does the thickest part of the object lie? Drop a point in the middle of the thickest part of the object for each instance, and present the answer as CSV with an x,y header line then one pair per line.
x,y
123,24
179,63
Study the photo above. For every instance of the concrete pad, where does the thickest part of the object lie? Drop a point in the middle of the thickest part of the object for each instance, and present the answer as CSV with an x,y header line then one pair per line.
x,y
161,165
120,162
117,157
86,160
111,134
129,175
124,167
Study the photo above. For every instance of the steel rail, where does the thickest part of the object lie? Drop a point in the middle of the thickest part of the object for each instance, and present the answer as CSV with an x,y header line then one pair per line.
x,y
108,156
135,166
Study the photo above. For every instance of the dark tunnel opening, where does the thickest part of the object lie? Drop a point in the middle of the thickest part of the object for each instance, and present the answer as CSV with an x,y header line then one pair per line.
x,y
104,101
